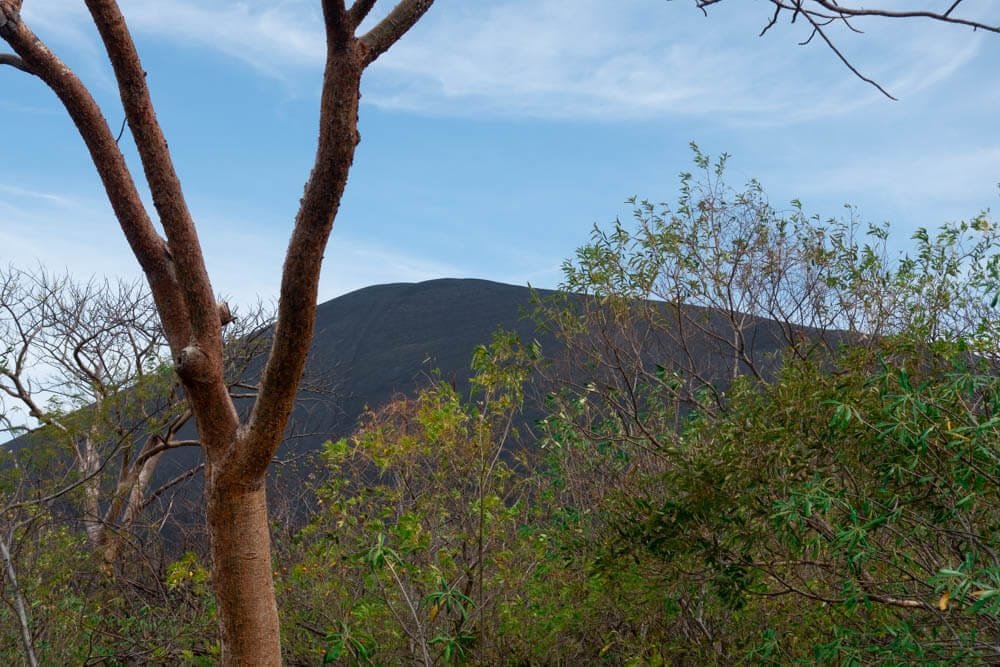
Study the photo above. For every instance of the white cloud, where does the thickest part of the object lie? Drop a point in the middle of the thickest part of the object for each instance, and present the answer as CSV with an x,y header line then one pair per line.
x,y
573,59
598,60
275,38
563,59
952,176
245,263
62,21
81,236
65,233
268,36
351,264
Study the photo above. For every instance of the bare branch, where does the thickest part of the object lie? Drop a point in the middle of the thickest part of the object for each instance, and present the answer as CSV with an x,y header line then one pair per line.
x,y
821,13
171,483
163,446
396,24
771,22
61,492
826,10
817,30
20,604
359,11
944,17
15,62
293,329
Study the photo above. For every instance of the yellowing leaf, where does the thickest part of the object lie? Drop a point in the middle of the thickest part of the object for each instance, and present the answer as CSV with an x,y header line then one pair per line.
x,y
943,602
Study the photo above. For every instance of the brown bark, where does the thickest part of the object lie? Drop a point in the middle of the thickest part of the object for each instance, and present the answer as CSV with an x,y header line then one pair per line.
x,y
300,278
148,247
237,456
241,573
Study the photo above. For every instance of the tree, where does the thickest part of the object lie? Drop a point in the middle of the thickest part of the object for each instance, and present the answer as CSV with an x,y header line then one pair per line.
x,y
842,482
420,517
87,362
237,450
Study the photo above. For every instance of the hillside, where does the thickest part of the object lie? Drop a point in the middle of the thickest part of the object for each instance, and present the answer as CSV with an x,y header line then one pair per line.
x,y
386,340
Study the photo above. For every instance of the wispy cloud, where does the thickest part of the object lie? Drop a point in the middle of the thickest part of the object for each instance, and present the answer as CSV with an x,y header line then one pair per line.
x,y
352,264
16,107
63,232
245,263
270,37
569,59
16,192
564,59
81,236
940,176
599,60
274,38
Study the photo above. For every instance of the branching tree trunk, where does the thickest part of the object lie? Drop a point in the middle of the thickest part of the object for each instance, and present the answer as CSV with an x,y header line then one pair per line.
x,y
237,451
86,361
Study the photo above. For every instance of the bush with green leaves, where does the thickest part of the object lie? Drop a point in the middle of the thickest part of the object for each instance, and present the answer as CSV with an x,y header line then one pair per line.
x,y
802,432
415,549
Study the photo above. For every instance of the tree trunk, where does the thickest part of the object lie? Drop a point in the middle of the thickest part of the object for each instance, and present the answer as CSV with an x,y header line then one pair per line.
x,y
175,268
241,567
90,463
20,605
131,493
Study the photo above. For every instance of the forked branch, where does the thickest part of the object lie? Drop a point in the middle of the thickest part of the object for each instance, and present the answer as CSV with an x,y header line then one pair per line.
x,y
841,11
161,176
359,11
147,245
338,137
821,13
396,24
15,62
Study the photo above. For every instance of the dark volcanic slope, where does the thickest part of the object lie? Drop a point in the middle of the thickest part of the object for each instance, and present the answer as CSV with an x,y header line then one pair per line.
x,y
380,341
385,340
388,339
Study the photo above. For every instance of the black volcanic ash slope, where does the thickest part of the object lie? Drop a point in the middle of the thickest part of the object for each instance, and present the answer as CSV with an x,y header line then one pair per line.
x,y
386,340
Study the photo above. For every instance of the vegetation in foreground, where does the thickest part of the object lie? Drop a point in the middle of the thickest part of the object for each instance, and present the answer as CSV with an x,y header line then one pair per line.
x,y
689,497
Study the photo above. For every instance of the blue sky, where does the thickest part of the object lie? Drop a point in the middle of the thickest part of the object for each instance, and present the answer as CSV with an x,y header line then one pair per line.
x,y
498,131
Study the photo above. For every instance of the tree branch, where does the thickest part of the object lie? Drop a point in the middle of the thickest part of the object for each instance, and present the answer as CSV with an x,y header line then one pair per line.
x,y
388,31
338,28
944,17
817,30
293,329
820,13
171,483
214,410
148,247
359,11
164,184
20,605
15,62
